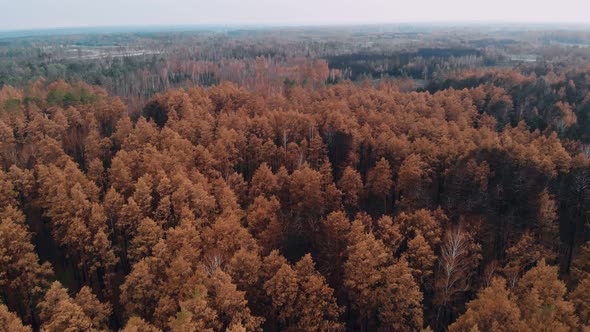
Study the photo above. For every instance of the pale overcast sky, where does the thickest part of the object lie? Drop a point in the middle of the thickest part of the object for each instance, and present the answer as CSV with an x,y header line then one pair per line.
x,y
27,14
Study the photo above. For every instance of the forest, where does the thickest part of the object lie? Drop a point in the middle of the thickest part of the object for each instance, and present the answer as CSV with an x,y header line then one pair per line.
x,y
407,178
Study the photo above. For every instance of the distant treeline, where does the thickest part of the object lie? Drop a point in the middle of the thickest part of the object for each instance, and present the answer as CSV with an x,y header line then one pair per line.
x,y
136,64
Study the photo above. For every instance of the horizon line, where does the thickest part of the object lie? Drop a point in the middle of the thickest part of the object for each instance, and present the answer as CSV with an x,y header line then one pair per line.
x,y
456,23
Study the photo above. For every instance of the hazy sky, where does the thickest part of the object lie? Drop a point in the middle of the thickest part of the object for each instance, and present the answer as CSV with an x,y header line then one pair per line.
x,y
25,14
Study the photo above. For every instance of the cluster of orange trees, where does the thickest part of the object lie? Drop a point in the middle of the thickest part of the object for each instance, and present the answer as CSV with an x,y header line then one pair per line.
x,y
320,208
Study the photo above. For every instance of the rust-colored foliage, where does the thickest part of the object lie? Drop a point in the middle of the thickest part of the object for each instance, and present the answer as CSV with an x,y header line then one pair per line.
x,y
222,208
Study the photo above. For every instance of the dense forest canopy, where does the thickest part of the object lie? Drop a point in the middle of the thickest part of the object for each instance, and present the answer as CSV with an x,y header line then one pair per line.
x,y
366,179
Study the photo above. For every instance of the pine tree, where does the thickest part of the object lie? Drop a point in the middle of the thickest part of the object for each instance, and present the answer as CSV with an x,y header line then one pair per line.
x,y
400,299
136,324
493,310
420,258
97,311
351,186
230,303
9,322
579,297
58,312
380,181
302,299
22,277
540,297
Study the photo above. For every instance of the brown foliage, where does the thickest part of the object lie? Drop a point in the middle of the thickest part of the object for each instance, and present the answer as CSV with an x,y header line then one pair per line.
x,y
176,216
9,322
